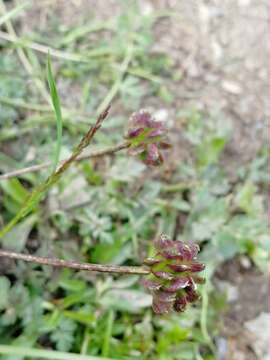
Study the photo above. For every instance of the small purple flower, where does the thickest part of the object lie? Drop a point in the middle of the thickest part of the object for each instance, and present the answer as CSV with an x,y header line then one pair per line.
x,y
177,284
173,280
147,136
151,284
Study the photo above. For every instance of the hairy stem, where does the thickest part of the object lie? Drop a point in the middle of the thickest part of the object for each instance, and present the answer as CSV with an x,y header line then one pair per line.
x,y
59,263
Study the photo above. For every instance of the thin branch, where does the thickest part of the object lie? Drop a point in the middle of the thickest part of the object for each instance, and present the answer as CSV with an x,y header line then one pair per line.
x,y
82,145
36,195
34,168
59,263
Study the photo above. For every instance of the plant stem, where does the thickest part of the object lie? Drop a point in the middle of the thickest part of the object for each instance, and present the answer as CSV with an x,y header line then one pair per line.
x,y
32,353
204,328
40,190
98,153
59,263
108,334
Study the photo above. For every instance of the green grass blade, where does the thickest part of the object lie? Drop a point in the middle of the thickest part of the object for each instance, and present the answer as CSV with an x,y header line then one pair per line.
x,y
46,354
13,12
81,31
108,334
57,110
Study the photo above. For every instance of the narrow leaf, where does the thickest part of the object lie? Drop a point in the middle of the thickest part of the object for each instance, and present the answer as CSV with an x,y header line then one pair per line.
x,y
13,12
57,110
45,354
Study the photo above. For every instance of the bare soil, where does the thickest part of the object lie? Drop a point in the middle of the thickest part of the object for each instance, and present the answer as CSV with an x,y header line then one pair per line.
x,y
253,298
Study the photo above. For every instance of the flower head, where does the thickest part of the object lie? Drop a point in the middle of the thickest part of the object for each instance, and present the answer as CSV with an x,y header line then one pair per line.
x,y
173,280
147,136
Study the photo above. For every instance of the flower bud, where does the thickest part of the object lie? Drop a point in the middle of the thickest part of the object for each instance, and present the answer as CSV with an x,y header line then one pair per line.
x,y
173,280
147,136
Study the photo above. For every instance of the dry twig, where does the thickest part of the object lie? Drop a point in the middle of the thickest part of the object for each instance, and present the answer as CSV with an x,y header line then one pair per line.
x,y
59,263
34,168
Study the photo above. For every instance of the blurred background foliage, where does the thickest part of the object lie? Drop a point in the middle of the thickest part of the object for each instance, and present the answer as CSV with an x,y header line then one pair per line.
x,y
109,210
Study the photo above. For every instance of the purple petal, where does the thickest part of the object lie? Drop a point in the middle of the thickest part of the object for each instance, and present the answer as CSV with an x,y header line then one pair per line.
x,y
153,156
163,275
184,250
167,248
163,242
192,285
151,285
142,118
194,249
179,268
155,133
177,284
177,251
157,124
132,133
192,295
188,251
171,255
180,304
197,267
152,152
164,296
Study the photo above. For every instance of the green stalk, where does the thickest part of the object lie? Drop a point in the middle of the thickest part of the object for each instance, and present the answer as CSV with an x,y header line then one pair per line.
x,y
40,190
46,354
108,334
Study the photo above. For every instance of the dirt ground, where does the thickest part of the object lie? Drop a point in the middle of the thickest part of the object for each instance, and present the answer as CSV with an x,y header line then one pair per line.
x,y
248,296
221,51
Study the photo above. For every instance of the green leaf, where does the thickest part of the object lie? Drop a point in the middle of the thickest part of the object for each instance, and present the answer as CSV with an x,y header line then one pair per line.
x,y
57,110
13,12
248,200
83,317
209,151
15,190
115,253
133,169
63,336
17,237
132,301
4,291
227,244
72,284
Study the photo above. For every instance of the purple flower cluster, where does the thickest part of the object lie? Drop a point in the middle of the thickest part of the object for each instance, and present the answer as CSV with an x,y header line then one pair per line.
x,y
173,280
147,137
